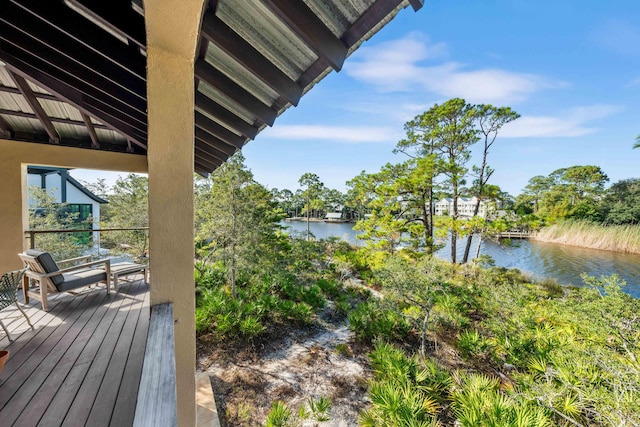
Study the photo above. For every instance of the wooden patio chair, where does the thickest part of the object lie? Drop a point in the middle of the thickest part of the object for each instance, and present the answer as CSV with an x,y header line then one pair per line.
x,y
51,279
9,284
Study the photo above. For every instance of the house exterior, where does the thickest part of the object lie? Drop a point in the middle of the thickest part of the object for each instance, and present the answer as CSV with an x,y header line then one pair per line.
x,y
466,206
66,189
333,217
167,88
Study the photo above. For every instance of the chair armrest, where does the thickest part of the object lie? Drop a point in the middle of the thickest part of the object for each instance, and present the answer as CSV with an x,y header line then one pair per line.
x,y
86,258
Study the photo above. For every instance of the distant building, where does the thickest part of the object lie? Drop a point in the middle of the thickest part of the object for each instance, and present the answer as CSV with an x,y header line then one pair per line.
x,y
466,206
66,189
334,217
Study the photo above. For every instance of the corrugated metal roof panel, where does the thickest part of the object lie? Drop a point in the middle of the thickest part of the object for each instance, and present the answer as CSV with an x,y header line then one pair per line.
x,y
340,14
227,65
5,79
227,103
106,135
60,110
269,35
24,124
71,131
13,102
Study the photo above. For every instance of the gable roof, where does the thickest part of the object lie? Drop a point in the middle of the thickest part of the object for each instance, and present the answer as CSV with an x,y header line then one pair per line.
x,y
75,71
45,170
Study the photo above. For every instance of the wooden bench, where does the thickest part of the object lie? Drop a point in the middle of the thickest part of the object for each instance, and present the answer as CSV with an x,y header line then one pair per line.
x,y
157,396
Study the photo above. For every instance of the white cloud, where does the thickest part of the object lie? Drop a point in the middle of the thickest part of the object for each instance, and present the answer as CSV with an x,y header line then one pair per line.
x,y
343,134
574,122
399,66
634,82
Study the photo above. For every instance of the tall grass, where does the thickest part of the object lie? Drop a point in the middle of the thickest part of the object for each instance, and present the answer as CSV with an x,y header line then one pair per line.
x,y
619,238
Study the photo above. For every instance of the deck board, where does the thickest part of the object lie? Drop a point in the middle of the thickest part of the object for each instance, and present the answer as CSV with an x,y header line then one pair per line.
x,y
81,365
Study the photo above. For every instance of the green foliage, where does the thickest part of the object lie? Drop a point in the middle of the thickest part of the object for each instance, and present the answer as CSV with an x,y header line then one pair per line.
x,y
279,415
404,391
237,222
370,321
320,408
567,193
621,205
50,215
127,208
478,401
570,354
291,292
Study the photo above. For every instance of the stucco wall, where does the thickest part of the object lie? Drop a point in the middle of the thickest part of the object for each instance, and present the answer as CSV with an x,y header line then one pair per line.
x,y
14,158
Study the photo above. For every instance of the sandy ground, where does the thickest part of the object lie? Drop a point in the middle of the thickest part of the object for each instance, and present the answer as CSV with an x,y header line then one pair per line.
x,y
292,366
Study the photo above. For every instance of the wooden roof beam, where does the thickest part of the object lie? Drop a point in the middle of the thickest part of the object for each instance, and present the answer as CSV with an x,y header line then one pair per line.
x,y
225,116
213,145
220,34
304,22
124,21
53,119
60,67
16,91
42,116
59,42
204,147
106,113
219,131
416,4
219,159
95,143
378,11
5,129
207,73
70,142
203,161
87,34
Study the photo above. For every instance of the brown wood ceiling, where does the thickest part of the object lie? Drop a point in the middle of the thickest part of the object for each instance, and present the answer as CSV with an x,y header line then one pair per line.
x,y
91,55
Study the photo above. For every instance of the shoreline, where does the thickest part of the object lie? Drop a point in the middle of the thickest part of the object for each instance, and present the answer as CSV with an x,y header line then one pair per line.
x,y
622,239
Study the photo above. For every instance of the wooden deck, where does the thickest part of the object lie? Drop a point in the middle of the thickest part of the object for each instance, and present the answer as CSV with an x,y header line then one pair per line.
x,y
82,363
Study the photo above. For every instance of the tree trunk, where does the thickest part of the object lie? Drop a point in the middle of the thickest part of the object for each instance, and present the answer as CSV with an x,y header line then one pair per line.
x,y
308,227
233,243
479,245
431,218
454,219
425,324
476,209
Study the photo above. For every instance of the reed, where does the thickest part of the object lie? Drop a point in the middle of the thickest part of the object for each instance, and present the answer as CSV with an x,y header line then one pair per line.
x,y
619,238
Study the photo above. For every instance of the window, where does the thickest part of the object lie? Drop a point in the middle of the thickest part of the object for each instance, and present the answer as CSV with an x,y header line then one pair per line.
x,y
80,212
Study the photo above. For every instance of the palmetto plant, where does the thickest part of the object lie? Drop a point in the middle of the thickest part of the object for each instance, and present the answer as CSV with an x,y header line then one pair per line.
x,y
479,402
406,391
279,415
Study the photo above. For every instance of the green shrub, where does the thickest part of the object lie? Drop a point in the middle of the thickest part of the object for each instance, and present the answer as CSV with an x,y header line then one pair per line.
x,y
279,415
369,321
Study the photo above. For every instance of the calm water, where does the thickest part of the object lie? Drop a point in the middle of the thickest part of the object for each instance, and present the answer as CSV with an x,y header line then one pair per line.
x,y
564,263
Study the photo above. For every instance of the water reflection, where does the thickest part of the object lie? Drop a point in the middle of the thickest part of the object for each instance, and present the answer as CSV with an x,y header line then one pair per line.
x,y
564,263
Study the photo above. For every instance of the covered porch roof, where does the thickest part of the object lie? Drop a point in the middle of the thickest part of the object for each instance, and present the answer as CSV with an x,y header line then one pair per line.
x,y
73,72
166,87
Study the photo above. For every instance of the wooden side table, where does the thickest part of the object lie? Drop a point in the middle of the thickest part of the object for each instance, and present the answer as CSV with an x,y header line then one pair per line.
x,y
124,269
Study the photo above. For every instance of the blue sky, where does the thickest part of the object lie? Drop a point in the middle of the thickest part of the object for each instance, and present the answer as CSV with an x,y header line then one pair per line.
x,y
570,68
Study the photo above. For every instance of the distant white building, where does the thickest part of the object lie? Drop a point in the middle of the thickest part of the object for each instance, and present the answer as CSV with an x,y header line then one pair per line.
x,y
333,217
465,207
66,189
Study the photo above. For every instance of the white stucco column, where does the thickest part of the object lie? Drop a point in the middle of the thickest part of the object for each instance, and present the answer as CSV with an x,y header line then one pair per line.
x,y
172,31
